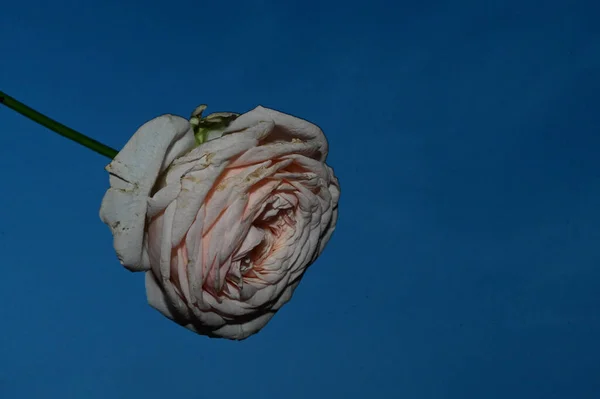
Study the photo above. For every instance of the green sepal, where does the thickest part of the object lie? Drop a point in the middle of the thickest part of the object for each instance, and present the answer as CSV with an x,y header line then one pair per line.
x,y
215,122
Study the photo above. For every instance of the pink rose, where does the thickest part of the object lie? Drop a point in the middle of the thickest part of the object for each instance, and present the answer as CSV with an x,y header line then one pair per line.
x,y
224,229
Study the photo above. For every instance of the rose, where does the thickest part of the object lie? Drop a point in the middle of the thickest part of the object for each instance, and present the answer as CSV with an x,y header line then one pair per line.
x,y
225,229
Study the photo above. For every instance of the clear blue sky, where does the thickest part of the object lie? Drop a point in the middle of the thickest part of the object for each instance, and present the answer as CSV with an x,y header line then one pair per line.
x,y
466,137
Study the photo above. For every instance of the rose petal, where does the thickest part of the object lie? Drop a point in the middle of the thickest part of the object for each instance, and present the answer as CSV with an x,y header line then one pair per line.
x,y
133,173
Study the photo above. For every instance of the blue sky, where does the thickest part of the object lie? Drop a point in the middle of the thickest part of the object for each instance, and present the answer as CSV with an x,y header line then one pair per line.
x,y
465,136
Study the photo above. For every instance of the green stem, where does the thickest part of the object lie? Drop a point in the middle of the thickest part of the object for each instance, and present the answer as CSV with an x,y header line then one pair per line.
x,y
57,127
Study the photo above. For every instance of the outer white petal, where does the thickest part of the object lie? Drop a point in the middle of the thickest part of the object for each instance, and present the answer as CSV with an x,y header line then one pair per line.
x,y
133,174
286,127
156,296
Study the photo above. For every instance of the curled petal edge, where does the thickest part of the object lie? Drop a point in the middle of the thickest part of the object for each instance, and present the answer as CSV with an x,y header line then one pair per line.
x,y
133,173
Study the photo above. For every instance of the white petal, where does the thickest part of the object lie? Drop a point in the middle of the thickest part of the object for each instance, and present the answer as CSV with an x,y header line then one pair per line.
x,y
133,173
308,137
156,297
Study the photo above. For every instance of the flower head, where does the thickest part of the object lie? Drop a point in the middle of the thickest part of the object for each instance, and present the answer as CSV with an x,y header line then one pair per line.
x,y
224,214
